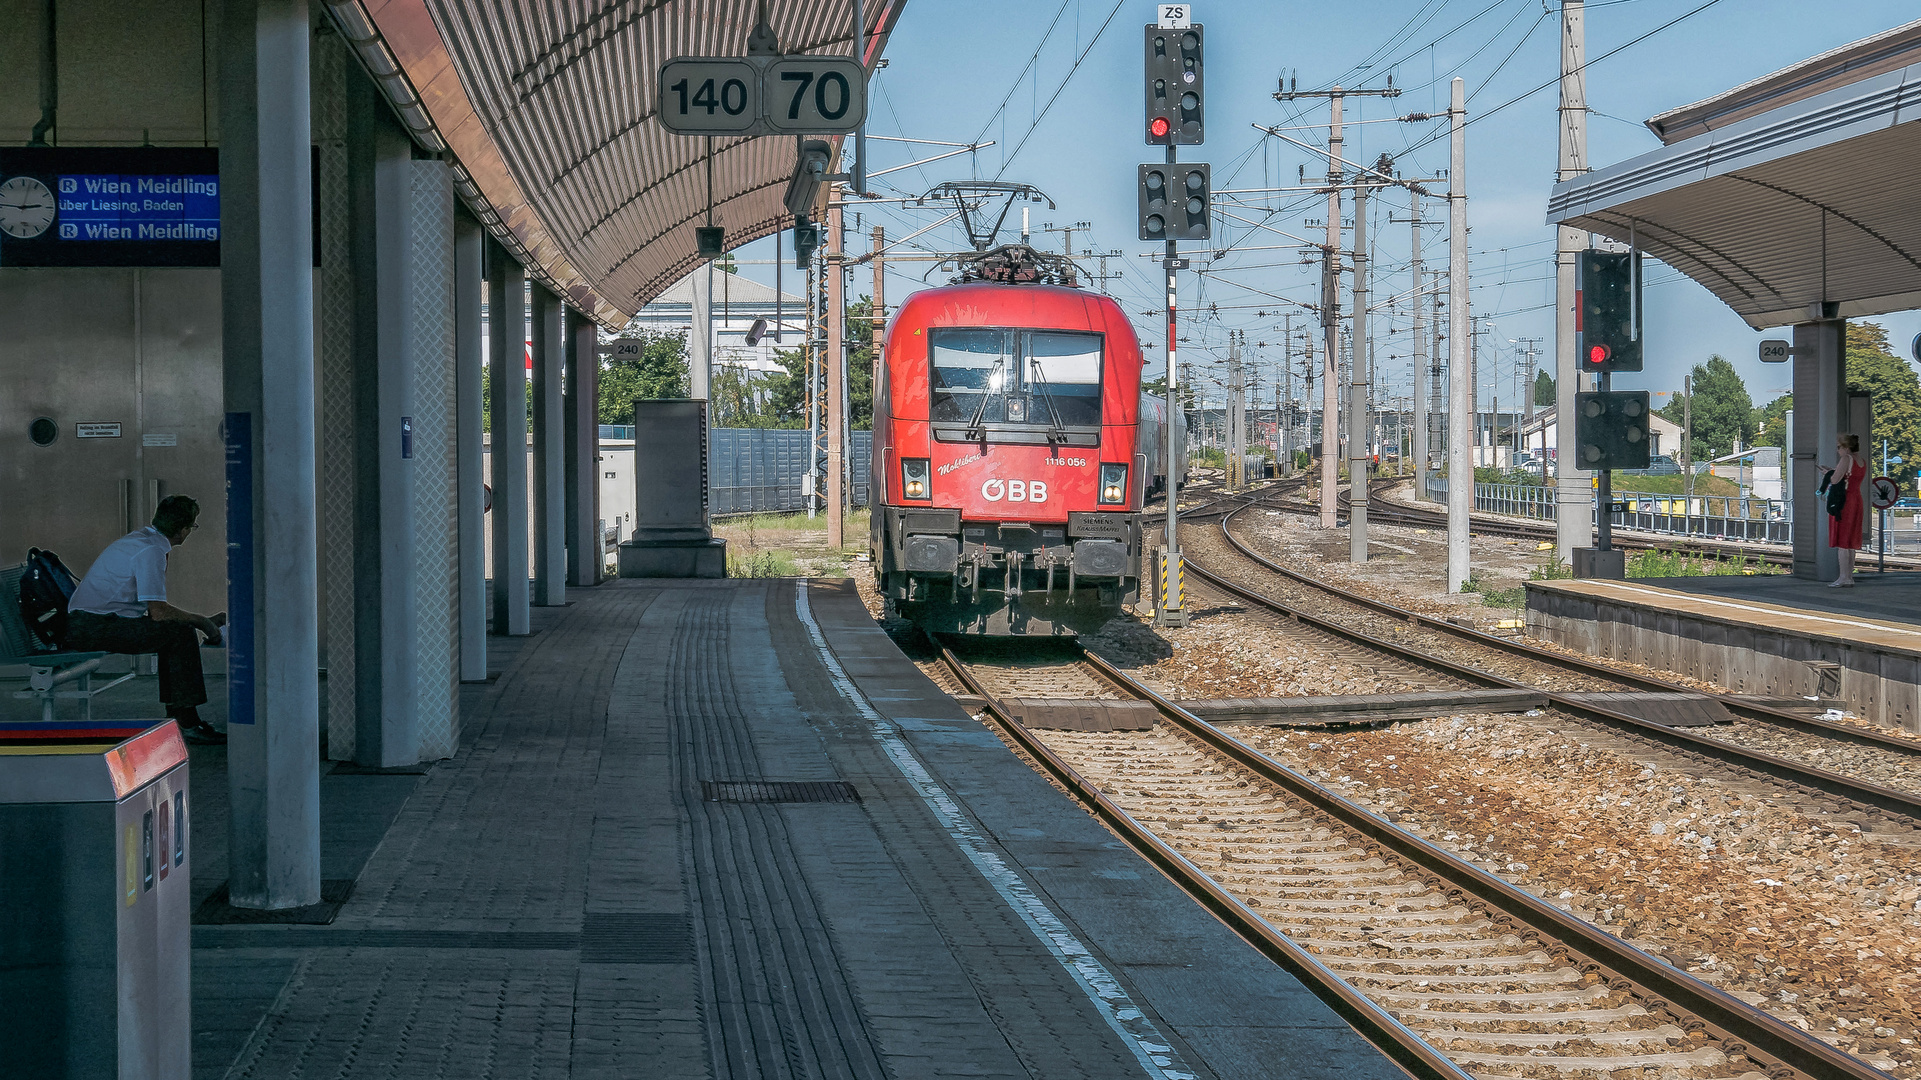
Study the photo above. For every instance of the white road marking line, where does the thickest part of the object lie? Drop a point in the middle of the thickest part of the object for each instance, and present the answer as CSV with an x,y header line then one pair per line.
x,y
1150,1046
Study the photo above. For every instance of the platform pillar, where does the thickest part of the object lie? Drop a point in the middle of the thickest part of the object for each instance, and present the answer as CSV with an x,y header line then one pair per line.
x,y
507,367
581,405
267,325
386,628
1820,411
550,452
469,358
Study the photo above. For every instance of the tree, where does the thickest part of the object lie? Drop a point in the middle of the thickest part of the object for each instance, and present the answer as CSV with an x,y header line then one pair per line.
x,y
1771,422
1543,389
1873,368
661,372
1722,411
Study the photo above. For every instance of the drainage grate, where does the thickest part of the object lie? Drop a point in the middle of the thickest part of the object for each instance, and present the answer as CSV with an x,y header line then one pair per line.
x,y
771,791
635,938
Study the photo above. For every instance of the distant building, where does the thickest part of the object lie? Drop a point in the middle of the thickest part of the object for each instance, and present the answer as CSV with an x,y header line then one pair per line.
x,y
1540,433
738,302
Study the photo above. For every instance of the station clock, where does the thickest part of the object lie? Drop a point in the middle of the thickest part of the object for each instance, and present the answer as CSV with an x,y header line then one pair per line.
x,y
26,208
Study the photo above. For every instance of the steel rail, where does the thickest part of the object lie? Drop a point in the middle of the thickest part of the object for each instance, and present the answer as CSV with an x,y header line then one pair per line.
x,y
1739,1026
1377,1025
1747,709
1859,792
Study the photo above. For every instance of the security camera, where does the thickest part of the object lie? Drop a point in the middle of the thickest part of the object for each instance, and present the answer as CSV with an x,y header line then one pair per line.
x,y
808,172
757,331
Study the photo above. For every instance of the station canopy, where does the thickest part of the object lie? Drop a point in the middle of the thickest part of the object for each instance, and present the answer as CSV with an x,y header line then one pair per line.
x,y
1792,197
547,114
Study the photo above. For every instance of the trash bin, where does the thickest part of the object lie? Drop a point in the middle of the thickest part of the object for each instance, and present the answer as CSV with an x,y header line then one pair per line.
x,y
94,901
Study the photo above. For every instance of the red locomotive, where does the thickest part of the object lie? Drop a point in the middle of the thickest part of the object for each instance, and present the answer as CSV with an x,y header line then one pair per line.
x,y
1010,453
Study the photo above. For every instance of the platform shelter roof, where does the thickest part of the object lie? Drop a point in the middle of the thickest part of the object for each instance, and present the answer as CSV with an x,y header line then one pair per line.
x,y
1790,197
547,113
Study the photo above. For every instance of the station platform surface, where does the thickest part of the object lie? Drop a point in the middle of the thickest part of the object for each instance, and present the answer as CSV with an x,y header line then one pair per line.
x,y
1857,649
1882,608
597,885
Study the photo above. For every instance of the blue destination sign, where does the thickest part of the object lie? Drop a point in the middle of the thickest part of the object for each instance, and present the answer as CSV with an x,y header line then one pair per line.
x,y
109,206
121,207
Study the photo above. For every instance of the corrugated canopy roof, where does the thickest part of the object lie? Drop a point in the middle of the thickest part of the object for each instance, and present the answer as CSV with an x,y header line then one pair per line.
x,y
1807,204
547,111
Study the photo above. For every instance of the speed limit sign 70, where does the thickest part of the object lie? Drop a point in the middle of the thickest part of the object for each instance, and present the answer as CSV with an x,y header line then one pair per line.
x,y
815,95
709,97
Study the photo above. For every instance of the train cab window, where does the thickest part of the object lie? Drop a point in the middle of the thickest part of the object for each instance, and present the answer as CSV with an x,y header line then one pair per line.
x,y
1005,385
1067,367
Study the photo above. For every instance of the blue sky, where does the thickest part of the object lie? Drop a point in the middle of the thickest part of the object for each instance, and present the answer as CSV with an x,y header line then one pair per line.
x,y
952,64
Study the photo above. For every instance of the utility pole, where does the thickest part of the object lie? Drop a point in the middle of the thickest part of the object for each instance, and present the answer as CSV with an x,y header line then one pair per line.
x,y
1067,235
1531,346
811,489
1330,288
877,316
836,364
1357,393
1284,409
1419,449
1236,414
1460,347
1573,495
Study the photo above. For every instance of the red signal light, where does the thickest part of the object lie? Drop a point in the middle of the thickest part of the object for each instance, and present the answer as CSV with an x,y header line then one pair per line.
x,y
1598,354
1158,127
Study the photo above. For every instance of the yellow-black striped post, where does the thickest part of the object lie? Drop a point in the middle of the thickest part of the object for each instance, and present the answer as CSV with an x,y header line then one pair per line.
x,y
1173,590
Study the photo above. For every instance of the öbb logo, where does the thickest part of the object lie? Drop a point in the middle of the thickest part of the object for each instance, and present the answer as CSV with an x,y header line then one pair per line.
x,y
1014,490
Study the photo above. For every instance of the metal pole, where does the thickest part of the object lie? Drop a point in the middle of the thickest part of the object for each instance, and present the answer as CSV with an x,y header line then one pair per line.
x,y
811,493
1172,608
1460,350
1236,434
1331,320
1284,408
1418,451
700,334
1358,392
836,364
1574,494
1687,454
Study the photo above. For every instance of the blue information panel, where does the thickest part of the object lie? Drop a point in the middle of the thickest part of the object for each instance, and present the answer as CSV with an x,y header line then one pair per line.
x,y
118,208
109,206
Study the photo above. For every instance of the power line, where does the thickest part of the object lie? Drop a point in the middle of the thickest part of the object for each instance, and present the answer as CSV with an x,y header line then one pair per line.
x,y
1069,77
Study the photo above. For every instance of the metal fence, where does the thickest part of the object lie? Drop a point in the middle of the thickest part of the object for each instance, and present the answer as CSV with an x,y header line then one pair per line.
x,y
1732,517
761,470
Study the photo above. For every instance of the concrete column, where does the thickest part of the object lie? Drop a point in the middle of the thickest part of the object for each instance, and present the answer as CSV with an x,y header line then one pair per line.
x,y
1820,413
266,288
581,405
700,334
386,620
469,287
550,453
507,363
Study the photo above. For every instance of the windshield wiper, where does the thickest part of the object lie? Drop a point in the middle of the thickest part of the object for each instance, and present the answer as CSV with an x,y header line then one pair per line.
x,y
1056,431
976,429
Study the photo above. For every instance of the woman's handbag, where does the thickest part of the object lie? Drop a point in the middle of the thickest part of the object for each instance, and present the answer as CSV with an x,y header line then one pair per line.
x,y
1837,497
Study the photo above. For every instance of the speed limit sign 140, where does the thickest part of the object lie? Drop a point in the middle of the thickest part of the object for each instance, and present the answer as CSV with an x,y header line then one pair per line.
x,y
786,95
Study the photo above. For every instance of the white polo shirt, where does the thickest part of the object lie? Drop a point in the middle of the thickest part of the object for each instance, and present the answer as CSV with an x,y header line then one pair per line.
x,y
132,571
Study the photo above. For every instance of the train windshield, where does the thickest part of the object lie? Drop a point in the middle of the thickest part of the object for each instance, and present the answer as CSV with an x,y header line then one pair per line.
x,y
1015,380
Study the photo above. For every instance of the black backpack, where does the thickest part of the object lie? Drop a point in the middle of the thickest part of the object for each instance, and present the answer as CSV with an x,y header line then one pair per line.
x,y
45,588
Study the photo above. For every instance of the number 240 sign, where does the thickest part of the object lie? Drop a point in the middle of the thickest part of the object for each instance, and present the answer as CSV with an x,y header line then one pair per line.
x,y
788,95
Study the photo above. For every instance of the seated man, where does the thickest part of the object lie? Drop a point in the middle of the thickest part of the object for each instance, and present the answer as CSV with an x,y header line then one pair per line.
x,y
121,606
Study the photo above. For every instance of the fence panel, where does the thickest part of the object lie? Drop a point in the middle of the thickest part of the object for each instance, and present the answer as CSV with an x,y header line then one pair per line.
x,y
1727,517
759,470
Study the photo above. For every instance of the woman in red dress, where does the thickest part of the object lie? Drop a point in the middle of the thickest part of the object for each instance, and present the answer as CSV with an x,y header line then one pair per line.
x,y
1844,529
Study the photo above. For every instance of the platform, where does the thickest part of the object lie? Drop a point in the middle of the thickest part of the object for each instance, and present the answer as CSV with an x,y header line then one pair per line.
x,y
1772,635
606,882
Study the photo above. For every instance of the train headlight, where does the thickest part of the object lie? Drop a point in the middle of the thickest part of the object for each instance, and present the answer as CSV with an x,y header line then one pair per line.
x,y
914,483
1113,484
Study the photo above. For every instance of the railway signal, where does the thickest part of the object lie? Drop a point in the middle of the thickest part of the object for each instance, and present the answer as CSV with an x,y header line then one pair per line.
x,y
1609,291
1175,85
1611,430
1175,202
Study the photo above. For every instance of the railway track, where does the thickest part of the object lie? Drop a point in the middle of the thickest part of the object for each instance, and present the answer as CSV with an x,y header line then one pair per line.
x,y
1450,970
1409,639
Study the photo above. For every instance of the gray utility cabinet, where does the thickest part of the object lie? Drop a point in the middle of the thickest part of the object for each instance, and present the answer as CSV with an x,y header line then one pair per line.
x,y
94,902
